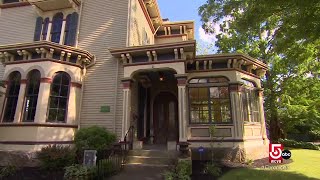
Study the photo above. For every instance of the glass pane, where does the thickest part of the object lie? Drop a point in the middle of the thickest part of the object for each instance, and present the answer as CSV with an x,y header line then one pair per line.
x,y
64,91
57,78
63,103
224,92
61,115
55,91
65,79
214,92
52,115
54,102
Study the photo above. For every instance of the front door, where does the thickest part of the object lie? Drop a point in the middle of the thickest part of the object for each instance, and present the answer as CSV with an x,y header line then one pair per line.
x,y
165,118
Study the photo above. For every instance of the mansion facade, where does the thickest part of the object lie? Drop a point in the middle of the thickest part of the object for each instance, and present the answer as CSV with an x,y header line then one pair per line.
x,y
70,64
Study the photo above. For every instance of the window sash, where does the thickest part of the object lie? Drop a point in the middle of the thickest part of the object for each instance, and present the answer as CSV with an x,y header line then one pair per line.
x,y
206,110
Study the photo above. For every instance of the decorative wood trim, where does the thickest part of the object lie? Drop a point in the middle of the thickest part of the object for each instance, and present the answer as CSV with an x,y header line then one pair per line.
x,y
76,85
38,125
181,81
13,5
224,69
235,88
154,62
45,80
42,60
172,35
23,81
146,14
35,142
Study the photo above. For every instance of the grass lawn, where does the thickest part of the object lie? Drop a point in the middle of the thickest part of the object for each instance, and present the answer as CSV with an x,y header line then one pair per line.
x,y
305,165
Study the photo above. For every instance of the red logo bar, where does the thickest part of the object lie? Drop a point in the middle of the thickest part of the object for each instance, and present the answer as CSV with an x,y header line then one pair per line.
x,y
275,153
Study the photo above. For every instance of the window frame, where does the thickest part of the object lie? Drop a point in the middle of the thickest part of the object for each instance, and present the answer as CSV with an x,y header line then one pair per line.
x,y
209,85
248,92
31,95
67,99
11,76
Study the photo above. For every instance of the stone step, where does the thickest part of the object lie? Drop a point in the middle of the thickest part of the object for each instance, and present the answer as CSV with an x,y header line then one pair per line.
x,y
151,160
150,153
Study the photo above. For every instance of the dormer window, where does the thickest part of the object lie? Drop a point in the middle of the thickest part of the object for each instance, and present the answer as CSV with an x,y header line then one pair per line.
x,y
62,29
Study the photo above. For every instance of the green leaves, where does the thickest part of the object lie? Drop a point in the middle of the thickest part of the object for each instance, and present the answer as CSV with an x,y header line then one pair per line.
x,y
286,36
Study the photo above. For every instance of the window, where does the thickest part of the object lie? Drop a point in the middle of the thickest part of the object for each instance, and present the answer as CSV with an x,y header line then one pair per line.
x,y
59,97
71,29
56,27
69,34
209,101
32,92
12,96
9,1
250,102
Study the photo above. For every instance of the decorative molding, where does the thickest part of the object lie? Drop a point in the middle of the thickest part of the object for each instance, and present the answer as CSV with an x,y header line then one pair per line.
x,y
35,142
76,85
58,125
13,5
45,80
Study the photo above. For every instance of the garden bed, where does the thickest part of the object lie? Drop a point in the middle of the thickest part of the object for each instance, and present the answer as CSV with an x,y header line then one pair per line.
x,y
33,173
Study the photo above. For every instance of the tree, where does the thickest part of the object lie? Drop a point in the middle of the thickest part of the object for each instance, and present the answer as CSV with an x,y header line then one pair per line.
x,y
284,35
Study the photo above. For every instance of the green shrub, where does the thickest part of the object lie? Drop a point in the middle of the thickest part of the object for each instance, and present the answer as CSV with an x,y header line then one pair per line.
x,y
7,171
182,171
96,138
212,169
56,157
298,144
315,135
79,172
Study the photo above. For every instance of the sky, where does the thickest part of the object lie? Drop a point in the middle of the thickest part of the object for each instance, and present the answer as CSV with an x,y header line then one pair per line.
x,y
179,10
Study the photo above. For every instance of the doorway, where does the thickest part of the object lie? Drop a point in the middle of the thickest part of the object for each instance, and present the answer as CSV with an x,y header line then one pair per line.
x,y
165,118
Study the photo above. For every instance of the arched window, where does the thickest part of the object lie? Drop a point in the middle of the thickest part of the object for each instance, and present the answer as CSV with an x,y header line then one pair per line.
x,y
59,94
32,91
12,96
71,29
56,27
250,102
209,100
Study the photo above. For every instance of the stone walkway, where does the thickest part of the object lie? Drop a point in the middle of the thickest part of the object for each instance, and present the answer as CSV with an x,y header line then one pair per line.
x,y
136,172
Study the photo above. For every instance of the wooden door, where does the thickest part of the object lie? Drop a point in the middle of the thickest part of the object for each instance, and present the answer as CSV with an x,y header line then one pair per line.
x,y
165,119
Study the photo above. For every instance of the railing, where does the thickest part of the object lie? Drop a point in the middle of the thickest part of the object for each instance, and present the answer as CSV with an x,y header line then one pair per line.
x,y
129,135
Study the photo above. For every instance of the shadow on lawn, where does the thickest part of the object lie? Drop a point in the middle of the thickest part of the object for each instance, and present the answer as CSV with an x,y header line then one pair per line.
x,y
247,173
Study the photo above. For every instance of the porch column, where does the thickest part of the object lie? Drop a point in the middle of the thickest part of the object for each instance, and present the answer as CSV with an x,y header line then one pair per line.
x,y
236,109
43,100
19,107
126,107
182,108
63,28
262,117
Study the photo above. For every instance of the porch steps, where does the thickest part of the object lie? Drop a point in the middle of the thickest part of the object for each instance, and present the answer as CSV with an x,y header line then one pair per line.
x,y
156,158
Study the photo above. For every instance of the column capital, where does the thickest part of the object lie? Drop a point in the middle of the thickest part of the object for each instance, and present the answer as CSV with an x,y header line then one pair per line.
x,y
126,83
181,79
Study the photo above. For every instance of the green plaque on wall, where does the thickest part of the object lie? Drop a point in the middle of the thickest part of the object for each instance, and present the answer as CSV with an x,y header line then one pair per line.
x,y
105,109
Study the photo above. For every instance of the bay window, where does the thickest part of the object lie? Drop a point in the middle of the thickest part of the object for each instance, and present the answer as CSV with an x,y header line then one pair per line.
x,y
209,101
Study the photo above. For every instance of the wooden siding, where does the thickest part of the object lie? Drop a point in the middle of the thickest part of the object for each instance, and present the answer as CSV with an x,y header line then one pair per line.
x,y
16,26
139,25
103,25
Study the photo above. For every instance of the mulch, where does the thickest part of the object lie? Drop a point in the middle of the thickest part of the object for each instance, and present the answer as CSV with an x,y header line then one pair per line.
x,y
35,173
